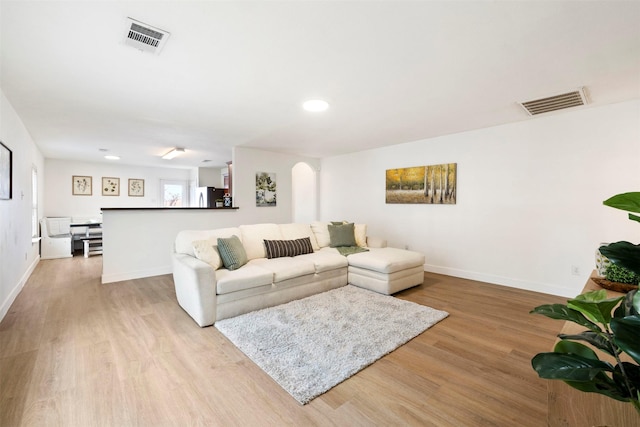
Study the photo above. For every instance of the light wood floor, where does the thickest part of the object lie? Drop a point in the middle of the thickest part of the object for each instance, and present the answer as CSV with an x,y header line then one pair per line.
x,y
74,352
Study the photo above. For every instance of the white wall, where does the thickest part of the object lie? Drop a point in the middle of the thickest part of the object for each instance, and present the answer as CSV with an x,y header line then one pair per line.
x,y
60,201
304,193
248,161
139,243
529,203
18,255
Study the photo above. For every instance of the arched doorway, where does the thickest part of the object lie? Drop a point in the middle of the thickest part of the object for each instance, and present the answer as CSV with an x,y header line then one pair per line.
x,y
304,193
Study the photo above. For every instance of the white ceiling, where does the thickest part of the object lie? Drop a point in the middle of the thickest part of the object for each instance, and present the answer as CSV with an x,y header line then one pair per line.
x,y
236,73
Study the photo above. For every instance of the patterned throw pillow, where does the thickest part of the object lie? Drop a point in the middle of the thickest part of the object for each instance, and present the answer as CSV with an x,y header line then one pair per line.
x,y
207,251
232,252
341,235
287,248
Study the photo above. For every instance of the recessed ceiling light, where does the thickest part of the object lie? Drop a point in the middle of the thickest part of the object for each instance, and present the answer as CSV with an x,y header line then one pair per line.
x,y
110,157
315,105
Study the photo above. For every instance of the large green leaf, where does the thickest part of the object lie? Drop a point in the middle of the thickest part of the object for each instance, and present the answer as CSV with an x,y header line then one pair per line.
x,y
626,333
633,217
595,306
568,367
568,347
562,312
595,339
624,254
602,384
632,374
629,305
629,202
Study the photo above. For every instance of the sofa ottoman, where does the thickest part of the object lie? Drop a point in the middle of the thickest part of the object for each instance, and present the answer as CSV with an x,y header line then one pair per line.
x,y
386,270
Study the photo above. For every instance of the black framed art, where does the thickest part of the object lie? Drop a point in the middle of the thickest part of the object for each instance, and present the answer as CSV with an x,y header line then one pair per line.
x,y
6,165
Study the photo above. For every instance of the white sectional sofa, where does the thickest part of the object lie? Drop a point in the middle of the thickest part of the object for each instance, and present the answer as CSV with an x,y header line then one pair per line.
x,y
208,291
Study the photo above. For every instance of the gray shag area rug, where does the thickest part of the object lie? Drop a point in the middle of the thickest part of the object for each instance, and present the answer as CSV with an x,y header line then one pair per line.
x,y
310,345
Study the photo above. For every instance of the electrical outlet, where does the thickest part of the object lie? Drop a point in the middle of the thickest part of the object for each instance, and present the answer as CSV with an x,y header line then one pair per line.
x,y
575,270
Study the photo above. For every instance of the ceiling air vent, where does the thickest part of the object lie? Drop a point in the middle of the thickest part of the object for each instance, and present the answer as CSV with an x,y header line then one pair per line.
x,y
556,102
144,37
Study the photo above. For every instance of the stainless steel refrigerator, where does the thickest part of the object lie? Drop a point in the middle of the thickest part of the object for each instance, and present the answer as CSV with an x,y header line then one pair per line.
x,y
207,196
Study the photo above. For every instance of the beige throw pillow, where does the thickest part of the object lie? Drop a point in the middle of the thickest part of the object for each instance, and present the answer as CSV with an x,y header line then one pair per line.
x,y
360,232
207,251
321,231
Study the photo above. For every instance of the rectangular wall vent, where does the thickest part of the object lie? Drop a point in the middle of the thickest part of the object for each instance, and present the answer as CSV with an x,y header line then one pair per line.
x,y
144,37
556,102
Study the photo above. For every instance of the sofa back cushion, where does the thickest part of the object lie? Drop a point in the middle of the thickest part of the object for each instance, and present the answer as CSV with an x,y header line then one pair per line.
x,y
299,231
253,237
185,238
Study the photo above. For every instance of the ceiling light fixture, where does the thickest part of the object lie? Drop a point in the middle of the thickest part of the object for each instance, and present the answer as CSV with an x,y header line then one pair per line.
x,y
173,153
315,105
111,157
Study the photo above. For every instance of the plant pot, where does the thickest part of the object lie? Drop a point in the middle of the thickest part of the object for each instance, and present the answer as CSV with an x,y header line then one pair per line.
x,y
602,262
614,286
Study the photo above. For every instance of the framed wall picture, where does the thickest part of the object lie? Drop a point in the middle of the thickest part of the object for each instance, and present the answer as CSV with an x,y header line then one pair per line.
x,y
110,186
6,166
434,184
136,187
265,189
81,185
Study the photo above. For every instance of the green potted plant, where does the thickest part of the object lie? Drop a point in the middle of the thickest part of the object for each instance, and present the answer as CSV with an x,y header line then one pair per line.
x,y
624,254
612,327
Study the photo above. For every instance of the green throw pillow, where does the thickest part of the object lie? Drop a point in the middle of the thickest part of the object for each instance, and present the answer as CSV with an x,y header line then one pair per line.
x,y
341,235
232,253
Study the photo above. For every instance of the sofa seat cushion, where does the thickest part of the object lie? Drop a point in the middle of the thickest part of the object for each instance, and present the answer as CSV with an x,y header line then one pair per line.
x,y
285,268
386,260
246,277
325,260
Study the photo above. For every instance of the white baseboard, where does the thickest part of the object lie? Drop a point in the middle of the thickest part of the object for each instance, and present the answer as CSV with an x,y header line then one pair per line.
x,y
503,281
139,274
6,304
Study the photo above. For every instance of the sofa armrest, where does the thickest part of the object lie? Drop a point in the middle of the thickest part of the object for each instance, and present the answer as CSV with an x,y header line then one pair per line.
x,y
376,242
195,284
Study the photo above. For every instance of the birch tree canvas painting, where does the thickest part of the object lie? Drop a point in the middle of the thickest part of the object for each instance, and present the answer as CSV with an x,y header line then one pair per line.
x,y
435,184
